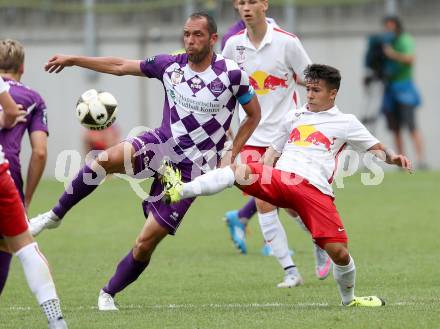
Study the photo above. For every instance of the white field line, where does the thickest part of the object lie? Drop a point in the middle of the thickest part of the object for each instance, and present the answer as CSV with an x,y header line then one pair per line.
x,y
201,306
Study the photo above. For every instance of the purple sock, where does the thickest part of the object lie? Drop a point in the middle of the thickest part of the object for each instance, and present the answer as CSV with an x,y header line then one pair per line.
x,y
128,271
84,183
248,210
5,262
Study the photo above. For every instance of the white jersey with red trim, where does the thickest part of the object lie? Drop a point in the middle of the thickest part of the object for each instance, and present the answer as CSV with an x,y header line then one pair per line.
x,y
273,69
310,143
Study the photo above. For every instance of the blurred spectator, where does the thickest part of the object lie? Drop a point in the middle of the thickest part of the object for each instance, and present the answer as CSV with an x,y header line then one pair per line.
x,y
211,7
377,63
401,97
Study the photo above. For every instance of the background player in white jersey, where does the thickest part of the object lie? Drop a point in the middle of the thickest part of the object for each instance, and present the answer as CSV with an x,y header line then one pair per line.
x,y
274,60
239,26
14,227
237,220
201,92
307,146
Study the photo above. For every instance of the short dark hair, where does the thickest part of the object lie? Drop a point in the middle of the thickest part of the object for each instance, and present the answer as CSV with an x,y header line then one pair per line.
x,y
396,20
329,74
212,25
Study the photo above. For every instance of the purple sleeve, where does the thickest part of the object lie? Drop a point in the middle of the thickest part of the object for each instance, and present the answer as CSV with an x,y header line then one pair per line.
x,y
241,87
234,29
154,67
38,117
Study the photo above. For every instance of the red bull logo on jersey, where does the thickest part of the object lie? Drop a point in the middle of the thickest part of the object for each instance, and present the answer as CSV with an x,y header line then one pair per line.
x,y
307,135
264,83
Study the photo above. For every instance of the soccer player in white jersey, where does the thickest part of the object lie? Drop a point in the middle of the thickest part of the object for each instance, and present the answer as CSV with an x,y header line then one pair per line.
x,y
307,146
201,92
237,220
14,227
275,61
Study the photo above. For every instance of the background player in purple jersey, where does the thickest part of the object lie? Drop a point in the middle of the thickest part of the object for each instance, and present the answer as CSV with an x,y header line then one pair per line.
x,y
35,122
202,90
12,113
11,70
13,221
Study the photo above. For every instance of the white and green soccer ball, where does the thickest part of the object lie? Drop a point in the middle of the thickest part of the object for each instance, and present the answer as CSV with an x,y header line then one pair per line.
x,y
96,110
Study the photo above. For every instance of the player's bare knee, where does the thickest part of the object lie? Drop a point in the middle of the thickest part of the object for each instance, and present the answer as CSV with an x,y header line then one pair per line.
x,y
109,161
341,256
292,213
263,206
143,249
4,247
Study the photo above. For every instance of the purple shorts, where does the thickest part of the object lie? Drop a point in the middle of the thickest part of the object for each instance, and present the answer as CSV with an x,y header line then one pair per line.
x,y
151,149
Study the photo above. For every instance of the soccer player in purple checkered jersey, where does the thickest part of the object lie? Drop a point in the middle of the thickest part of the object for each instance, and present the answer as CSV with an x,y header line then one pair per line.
x,y
202,90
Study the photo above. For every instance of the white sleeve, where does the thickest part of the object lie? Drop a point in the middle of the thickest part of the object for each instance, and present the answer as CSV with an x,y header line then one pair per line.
x,y
228,51
272,21
358,135
284,133
3,86
297,58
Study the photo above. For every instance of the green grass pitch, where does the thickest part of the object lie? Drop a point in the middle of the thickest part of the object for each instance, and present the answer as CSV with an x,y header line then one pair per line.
x,y
197,279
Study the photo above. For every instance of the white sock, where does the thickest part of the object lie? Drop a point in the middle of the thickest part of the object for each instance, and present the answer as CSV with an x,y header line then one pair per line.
x,y
212,182
37,273
275,235
52,309
345,278
291,271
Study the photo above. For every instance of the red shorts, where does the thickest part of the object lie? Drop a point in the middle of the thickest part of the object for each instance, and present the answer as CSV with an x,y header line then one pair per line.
x,y
287,190
251,154
13,219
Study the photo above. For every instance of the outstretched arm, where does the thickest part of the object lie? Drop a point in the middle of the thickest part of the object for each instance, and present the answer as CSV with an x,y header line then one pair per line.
x,y
111,65
12,113
247,127
37,163
390,157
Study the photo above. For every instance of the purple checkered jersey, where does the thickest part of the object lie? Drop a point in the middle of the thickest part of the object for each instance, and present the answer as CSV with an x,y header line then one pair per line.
x,y
198,106
36,120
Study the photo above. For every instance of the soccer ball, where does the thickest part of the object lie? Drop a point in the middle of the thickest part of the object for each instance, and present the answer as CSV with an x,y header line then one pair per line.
x,y
96,110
